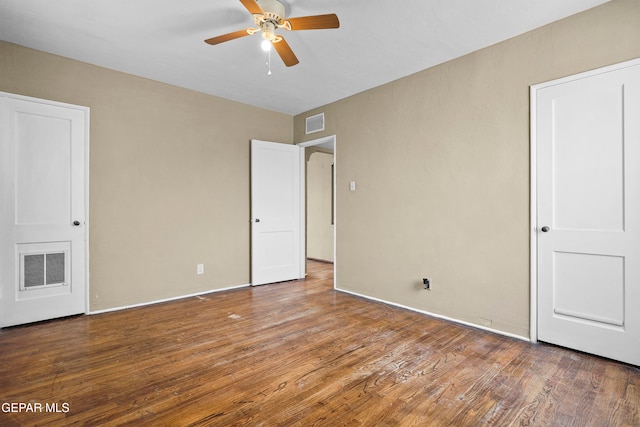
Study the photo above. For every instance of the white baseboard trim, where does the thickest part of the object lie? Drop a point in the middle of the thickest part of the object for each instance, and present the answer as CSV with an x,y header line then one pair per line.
x,y
439,316
143,304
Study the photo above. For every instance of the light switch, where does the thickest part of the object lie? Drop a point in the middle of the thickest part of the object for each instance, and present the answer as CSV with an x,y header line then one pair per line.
x,y
352,186
200,269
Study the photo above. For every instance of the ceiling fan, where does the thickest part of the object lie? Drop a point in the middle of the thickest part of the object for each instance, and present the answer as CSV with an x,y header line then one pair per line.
x,y
268,15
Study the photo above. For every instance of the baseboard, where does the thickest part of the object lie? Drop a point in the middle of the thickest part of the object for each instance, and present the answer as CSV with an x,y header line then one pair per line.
x,y
126,307
439,316
320,260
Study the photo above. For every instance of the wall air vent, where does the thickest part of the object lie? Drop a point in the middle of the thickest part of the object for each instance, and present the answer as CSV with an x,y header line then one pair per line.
x,y
315,123
42,269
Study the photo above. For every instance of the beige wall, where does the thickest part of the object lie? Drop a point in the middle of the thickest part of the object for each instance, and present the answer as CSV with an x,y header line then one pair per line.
x,y
169,176
319,226
441,162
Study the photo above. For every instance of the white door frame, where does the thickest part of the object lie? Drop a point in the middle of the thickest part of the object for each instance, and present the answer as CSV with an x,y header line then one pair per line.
x,y
303,158
87,133
533,236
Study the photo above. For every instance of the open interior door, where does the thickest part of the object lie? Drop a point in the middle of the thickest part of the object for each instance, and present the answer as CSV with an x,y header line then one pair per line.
x,y
277,212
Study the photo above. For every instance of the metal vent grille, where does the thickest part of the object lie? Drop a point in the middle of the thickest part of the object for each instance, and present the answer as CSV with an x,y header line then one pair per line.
x,y
315,123
43,269
55,269
33,270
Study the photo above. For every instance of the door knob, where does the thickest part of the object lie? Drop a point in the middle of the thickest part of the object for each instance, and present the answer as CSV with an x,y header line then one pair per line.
x,y
76,223
545,229
257,219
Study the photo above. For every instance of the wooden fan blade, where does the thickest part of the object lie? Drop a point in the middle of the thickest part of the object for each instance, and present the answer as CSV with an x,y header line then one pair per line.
x,y
316,22
284,50
227,37
252,7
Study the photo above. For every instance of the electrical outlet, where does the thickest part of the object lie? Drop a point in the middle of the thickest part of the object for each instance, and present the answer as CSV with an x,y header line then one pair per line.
x,y
200,269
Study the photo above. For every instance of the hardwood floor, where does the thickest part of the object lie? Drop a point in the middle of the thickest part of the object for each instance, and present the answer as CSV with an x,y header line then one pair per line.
x,y
299,354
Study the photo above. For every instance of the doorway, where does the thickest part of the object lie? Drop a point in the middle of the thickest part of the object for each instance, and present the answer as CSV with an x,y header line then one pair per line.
x,y
320,166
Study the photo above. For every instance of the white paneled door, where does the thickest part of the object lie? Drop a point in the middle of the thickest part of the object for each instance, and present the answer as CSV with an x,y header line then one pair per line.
x,y
43,212
587,135
277,212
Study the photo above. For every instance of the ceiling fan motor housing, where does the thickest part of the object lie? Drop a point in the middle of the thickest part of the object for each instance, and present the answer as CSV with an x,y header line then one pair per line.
x,y
273,10
272,18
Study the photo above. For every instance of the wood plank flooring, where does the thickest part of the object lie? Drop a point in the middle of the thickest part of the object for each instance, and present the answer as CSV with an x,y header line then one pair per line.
x,y
299,354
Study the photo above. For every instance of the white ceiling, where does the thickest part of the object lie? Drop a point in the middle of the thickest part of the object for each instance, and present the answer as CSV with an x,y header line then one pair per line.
x,y
377,42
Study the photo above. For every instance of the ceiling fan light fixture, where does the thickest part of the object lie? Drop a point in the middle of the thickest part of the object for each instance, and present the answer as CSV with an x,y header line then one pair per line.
x,y
268,30
266,45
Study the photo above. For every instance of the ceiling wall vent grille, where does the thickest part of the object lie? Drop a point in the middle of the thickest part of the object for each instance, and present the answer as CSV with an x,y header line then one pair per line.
x,y
315,123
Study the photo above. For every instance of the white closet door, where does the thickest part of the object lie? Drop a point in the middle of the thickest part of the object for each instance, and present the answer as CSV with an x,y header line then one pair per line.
x,y
43,222
588,216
